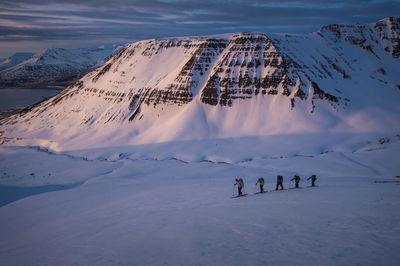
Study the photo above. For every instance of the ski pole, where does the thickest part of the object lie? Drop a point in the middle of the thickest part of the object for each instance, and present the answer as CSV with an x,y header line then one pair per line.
x,y
233,190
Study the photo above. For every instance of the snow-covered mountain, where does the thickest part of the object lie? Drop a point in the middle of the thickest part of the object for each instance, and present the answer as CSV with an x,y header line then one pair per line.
x,y
13,60
55,67
342,78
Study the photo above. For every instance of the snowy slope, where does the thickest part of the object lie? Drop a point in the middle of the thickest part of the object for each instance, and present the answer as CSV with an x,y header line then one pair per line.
x,y
13,60
170,203
55,66
343,78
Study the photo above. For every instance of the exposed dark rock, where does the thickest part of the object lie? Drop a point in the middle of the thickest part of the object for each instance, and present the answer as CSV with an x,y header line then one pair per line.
x,y
104,70
171,94
320,94
340,70
388,31
179,92
138,104
300,94
382,71
210,92
384,140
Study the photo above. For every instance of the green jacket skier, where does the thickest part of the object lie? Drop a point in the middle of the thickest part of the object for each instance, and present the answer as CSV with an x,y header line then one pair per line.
x,y
261,182
313,178
296,179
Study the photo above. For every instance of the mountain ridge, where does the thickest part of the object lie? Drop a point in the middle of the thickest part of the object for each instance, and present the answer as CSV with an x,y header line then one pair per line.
x,y
13,60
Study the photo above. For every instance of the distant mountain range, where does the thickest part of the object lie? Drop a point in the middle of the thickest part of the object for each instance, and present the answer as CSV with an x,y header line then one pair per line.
x,y
52,67
13,60
342,78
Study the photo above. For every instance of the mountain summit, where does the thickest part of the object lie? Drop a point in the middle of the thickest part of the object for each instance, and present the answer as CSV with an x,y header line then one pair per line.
x,y
342,78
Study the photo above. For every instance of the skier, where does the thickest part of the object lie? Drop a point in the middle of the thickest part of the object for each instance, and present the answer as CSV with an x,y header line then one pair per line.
x,y
279,182
261,182
296,179
240,184
313,178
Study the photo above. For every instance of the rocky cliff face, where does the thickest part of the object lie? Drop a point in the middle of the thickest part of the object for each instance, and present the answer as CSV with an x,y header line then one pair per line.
x,y
220,70
253,64
382,34
154,81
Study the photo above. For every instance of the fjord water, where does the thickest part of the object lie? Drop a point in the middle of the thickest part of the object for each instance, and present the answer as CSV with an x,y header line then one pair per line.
x,y
20,98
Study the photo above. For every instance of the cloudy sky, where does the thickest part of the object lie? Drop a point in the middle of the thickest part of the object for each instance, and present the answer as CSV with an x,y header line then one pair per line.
x,y
32,25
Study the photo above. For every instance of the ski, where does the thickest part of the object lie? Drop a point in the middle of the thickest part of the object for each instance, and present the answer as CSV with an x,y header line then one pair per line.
x,y
303,187
243,195
273,190
386,181
260,192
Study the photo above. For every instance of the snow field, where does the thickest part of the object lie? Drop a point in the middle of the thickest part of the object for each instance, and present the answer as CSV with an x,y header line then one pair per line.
x,y
156,204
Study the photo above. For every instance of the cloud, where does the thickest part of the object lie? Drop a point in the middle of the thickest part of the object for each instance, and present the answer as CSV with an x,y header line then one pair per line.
x,y
105,21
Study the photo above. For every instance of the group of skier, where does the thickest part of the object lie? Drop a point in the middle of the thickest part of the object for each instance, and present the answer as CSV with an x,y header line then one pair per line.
x,y
279,183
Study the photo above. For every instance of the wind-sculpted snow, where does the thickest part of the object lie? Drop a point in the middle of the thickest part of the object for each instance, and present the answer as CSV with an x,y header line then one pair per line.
x,y
343,78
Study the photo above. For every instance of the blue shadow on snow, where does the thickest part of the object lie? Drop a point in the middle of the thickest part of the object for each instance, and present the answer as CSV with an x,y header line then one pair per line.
x,y
10,194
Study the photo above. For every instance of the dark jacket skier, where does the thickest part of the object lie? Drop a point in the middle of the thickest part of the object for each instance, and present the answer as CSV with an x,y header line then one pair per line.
x,y
279,182
240,184
296,179
313,178
261,182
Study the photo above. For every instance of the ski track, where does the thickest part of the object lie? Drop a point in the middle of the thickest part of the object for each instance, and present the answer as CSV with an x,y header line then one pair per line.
x,y
376,172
